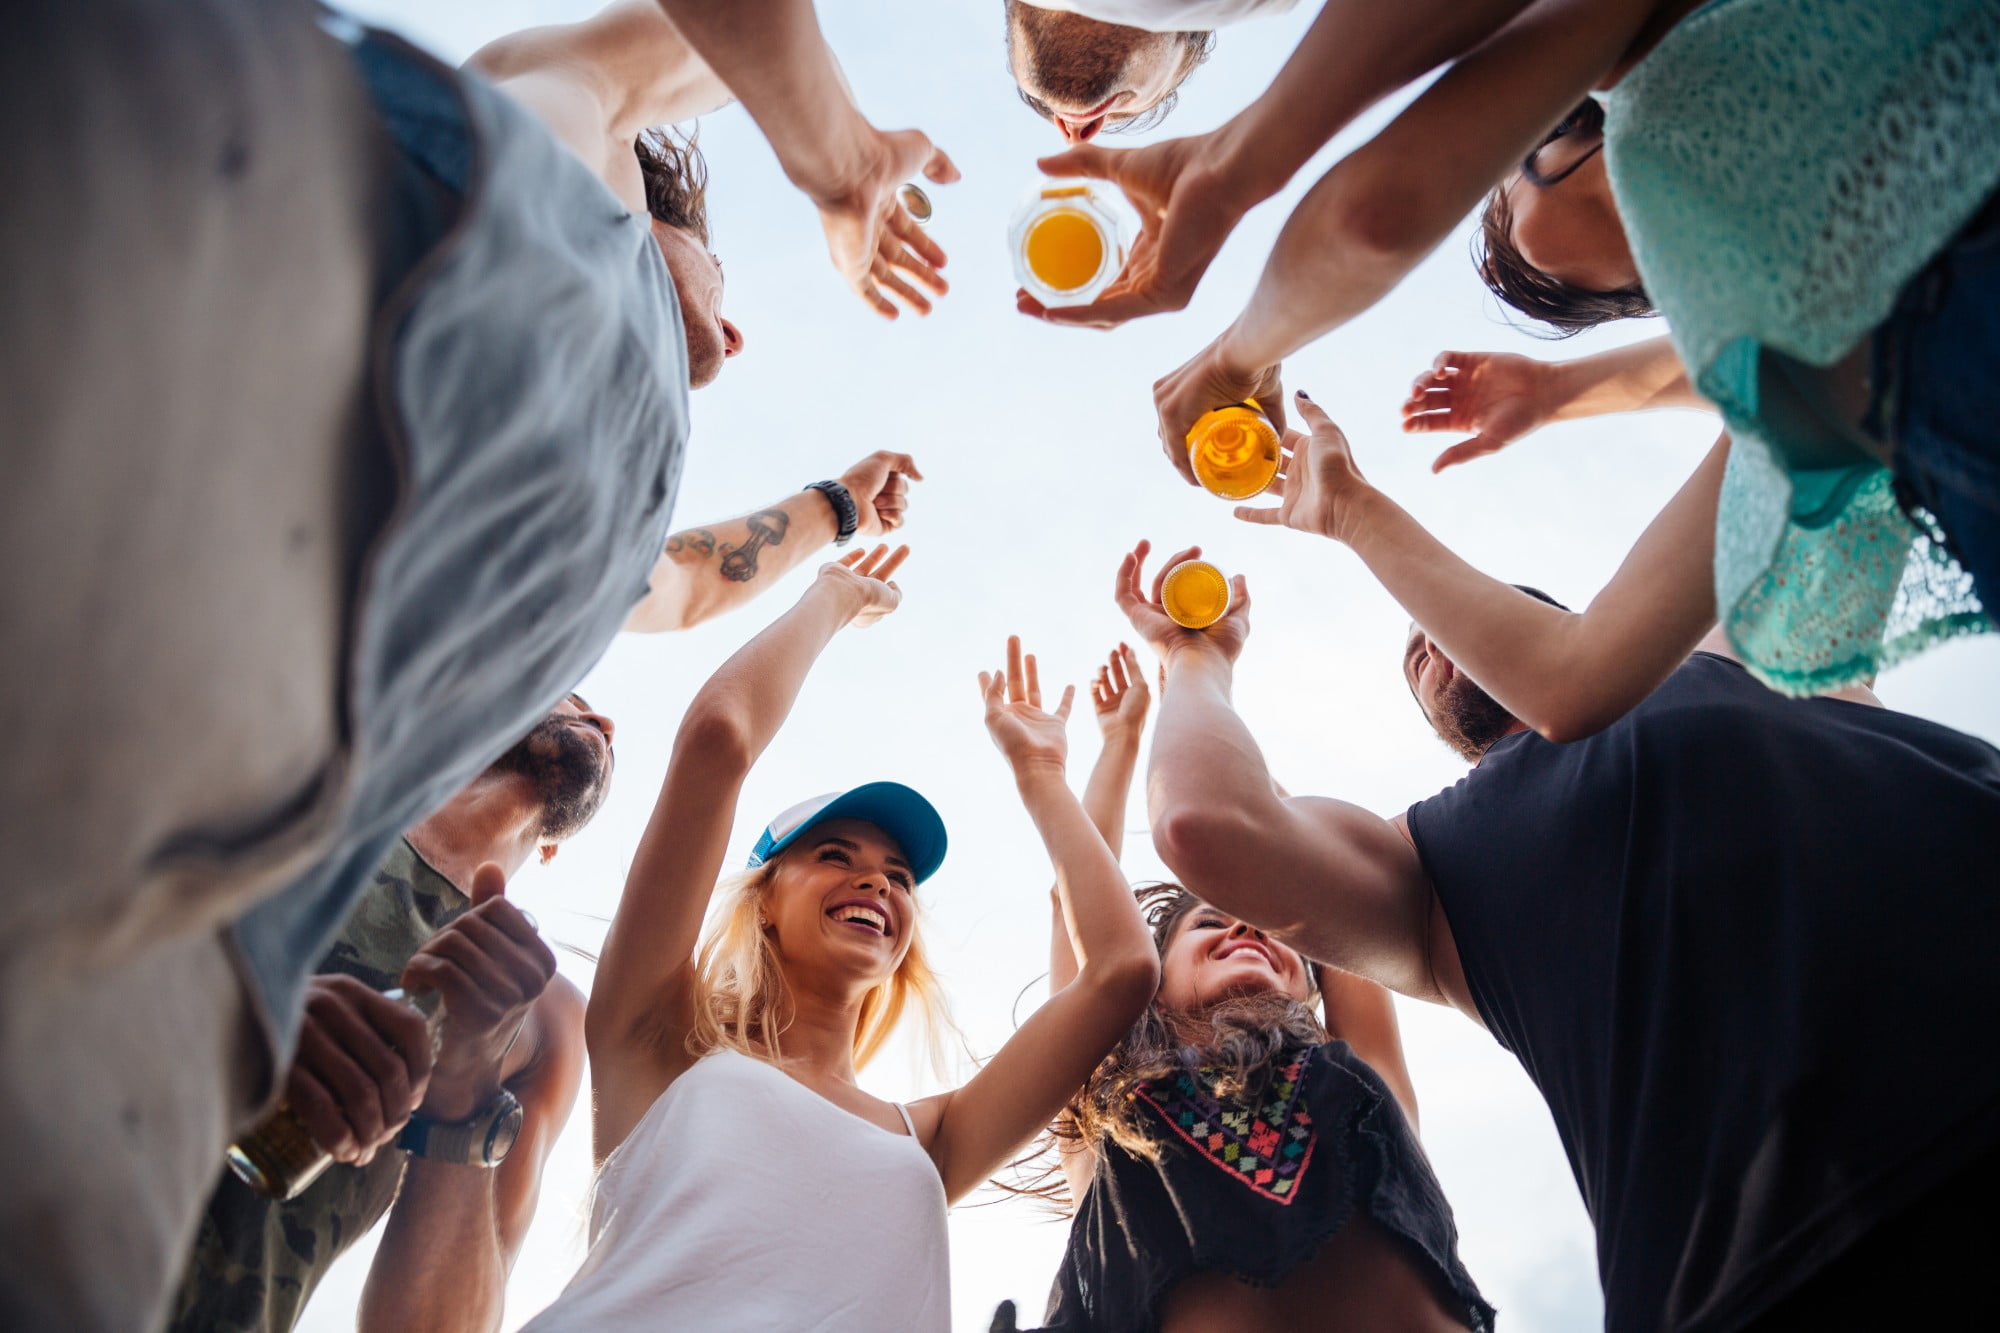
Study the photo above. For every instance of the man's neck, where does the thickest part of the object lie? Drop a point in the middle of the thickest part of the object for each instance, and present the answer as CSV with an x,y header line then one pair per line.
x,y
494,819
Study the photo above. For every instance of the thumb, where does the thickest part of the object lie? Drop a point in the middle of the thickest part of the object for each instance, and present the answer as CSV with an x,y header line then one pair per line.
x,y
1465,451
1310,412
1083,160
488,882
940,169
1259,513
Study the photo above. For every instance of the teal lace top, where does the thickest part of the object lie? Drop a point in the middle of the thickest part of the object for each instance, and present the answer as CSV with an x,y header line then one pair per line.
x,y
1783,168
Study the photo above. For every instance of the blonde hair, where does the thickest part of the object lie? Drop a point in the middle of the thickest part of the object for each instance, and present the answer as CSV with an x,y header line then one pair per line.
x,y
741,1000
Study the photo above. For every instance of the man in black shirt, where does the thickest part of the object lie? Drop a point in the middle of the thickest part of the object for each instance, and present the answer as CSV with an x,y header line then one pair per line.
x,y
1740,943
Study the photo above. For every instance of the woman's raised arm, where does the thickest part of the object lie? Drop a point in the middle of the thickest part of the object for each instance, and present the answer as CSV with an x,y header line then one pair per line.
x,y
640,1013
981,1126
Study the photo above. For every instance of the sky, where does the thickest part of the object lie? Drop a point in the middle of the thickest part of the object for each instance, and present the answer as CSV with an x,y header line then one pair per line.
x,y
1042,466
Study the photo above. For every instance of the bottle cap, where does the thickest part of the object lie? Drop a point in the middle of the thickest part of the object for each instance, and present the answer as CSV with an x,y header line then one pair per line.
x,y
1194,594
915,202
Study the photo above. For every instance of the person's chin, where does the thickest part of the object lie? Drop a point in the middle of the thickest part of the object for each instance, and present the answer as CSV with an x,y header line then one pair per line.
x,y
704,365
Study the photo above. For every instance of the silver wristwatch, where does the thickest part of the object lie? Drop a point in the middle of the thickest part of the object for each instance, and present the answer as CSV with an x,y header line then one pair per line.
x,y
484,1140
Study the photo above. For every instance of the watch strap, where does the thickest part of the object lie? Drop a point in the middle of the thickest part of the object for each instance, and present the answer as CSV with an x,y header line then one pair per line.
x,y
469,1142
844,512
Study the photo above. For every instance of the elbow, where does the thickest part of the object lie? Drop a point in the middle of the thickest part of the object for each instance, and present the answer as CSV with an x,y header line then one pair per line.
x,y
1379,221
1201,843
715,736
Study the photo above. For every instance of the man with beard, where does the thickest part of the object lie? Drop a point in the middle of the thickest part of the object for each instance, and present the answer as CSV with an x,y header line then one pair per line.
x,y
457,1142
1741,943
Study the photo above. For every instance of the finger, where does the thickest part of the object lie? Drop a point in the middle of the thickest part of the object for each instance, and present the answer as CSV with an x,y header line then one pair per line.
x,y
852,558
893,563
1312,413
1106,312
1449,363
1166,567
480,983
1465,451
881,304
1034,683
1252,514
887,278
1277,486
1424,422
362,1075
866,569
986,687
1017,684
1085,159
488,882
1174,446
900,466
1119,682
315,1108
488,947
1069,697
908,247
940,169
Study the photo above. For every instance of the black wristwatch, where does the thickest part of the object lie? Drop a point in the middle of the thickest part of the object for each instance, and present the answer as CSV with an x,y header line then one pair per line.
x,y
484,1140
844,511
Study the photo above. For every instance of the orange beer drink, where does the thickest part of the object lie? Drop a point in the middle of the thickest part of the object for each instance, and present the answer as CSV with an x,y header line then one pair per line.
x,y
1234,450
1067,244
1194,594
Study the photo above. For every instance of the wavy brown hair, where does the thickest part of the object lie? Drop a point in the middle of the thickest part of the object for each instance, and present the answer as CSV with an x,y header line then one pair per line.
x,y
1236,1041
676,176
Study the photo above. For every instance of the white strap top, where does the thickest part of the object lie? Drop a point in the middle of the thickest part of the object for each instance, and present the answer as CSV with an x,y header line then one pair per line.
x,y
746,1201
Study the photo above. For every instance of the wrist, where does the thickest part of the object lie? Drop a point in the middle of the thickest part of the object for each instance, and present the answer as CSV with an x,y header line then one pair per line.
x,y
1255,154
837,160
1190,648
1235,356
450,1100
1039,774
846,511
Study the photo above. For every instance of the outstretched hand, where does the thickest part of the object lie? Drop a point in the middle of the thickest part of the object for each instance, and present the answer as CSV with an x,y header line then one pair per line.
x,y
864,578
1496,395
1160,631
1317,479
1026,735
1120,694
1187,206
875,243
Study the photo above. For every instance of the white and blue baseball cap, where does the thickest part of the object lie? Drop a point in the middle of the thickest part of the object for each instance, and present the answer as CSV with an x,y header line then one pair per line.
x,y
890,806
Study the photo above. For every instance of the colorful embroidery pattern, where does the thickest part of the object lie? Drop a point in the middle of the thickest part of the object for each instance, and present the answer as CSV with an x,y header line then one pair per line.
x,y
1266,1147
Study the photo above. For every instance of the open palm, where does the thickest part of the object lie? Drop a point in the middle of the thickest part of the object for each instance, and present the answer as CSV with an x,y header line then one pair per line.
x,y
1495,396
1026,735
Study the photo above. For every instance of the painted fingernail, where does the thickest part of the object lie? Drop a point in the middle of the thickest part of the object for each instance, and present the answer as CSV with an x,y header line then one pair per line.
x,y
533,924
1303,394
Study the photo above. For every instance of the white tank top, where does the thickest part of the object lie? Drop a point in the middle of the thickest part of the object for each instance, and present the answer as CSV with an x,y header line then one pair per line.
x,y
744,1200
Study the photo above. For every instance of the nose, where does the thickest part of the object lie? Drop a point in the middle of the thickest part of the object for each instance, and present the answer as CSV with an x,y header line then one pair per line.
x,y
603,724
1079,131
1242,928
732,339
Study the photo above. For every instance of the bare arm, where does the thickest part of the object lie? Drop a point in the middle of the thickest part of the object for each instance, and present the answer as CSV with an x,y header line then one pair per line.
x,y
455,1231
1565,674
599,82
772,55
1500,398
1363,1014
1384,207
707,571
983,1124
640,1007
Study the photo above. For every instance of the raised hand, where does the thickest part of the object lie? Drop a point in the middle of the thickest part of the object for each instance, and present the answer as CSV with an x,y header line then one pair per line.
x,y
1157,628
1187,204
1209,381
489,966
1317,478
875,243
864,577
880,485
1120,694
1496,395
1027,736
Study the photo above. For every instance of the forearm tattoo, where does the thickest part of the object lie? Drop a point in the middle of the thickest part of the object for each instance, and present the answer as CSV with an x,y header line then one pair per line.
x,y
698,540
767,528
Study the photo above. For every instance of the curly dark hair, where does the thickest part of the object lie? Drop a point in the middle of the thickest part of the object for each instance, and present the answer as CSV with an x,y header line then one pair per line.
x,y
1566,308
676,177
1237,1041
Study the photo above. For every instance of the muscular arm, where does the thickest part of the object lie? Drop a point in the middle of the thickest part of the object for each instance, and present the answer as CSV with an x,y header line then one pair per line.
x,y
706,571
598,83
1332,880
455,1231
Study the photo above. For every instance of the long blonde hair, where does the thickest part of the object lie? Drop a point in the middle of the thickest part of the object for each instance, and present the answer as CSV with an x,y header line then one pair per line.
x,y
741,1000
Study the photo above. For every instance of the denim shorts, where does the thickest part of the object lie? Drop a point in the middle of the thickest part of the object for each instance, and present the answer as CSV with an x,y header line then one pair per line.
x,y
1937,404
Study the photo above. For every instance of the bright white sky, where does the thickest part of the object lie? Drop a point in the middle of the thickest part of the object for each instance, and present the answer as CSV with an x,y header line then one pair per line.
x,y
1042,466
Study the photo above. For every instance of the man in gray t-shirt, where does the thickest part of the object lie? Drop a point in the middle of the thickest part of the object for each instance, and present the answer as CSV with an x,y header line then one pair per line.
x,y
344,399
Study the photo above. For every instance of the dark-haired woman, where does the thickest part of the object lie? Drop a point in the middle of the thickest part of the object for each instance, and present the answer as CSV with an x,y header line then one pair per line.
x,y
1240,1161
1805,191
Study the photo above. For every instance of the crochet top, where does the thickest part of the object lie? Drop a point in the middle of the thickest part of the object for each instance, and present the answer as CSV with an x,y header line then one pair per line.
x,y
1783,169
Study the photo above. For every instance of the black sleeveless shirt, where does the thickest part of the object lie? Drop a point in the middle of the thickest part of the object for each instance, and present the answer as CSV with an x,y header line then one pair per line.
x,y
1254,1191
1744,946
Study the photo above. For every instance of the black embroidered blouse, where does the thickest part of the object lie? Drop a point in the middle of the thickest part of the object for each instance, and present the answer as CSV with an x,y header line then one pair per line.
x,y
1254,1191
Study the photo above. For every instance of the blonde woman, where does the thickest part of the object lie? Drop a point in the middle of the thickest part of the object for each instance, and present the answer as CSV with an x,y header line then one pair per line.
x,y
748,1181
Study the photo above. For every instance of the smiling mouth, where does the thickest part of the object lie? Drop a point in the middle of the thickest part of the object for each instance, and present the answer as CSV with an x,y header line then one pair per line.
x,y
862,917
1249,946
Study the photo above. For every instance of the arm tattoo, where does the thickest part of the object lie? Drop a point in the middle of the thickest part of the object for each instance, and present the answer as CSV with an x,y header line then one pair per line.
x,y
699,540
767,528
